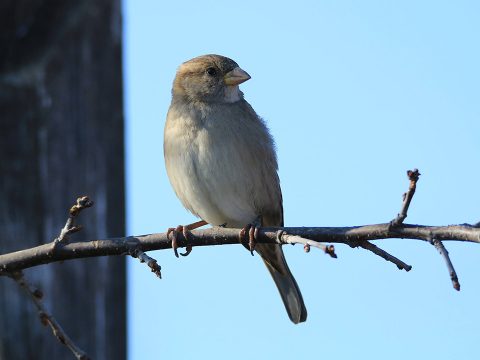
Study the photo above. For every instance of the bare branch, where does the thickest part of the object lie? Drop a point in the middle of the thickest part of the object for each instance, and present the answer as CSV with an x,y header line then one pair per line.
x,y
284,238
351,236
357,236
136,246
407,198
443,251
36,295
413,176
83,202
151,262
45,317
383,254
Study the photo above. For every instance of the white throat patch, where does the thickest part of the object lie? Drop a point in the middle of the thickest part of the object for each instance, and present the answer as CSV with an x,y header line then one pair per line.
x,y
232,94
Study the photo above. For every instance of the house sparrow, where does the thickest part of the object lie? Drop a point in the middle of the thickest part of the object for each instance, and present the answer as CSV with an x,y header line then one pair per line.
x,y
221,161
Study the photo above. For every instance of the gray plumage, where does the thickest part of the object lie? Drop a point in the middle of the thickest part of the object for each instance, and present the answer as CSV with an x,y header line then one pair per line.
x,y
221,160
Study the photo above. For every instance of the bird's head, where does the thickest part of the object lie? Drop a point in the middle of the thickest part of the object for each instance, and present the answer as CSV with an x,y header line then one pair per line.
x,y
209,78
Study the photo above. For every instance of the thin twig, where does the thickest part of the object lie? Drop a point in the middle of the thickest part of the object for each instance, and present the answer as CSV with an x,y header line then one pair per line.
x,y
151,262
413,176
83,202
383,254
443,251
284,238
45,317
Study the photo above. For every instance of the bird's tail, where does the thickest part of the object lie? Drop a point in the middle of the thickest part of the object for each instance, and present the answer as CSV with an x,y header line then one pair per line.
x,y
274,259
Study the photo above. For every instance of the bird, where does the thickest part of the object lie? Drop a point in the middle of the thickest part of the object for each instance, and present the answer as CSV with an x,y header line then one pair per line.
x,y
221,161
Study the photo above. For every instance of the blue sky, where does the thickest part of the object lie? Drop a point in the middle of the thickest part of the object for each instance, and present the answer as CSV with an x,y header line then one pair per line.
x,y
355,93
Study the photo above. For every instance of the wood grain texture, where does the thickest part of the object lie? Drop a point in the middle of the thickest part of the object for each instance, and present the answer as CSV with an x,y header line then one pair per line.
x,y
61,135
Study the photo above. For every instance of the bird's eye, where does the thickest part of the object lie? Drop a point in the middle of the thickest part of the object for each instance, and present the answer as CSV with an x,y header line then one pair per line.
x,y
211,71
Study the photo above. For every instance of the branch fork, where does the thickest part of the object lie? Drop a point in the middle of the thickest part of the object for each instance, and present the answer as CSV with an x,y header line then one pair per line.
x,y
12,264
36,294
82,203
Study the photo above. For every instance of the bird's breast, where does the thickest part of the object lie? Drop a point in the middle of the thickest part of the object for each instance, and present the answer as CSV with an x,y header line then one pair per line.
x,y
208,162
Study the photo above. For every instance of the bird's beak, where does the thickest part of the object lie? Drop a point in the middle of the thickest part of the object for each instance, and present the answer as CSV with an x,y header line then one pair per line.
x,y
236,76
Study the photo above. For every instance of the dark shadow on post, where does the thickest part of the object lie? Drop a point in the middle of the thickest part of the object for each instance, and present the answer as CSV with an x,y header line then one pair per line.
x,y
61,136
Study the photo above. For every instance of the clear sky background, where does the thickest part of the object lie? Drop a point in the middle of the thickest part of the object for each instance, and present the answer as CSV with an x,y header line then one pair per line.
x,y
355,93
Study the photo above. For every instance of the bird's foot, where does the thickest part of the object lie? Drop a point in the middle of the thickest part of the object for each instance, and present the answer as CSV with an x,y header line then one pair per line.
x,y
174,231
252,231
185,230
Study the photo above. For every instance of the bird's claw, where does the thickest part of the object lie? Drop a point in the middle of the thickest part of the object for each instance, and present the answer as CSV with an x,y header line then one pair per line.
x,y
186,234
252,236
188,250
174,232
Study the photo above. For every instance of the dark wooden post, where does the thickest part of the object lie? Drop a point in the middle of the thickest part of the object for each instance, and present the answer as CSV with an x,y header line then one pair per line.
x,y
61,136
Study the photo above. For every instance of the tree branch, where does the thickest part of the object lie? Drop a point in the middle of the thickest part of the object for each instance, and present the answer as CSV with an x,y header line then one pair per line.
x,y
83,202
383,254
151,262
357,236
443,251
413,176
284,238
136,246
351,236
45,317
